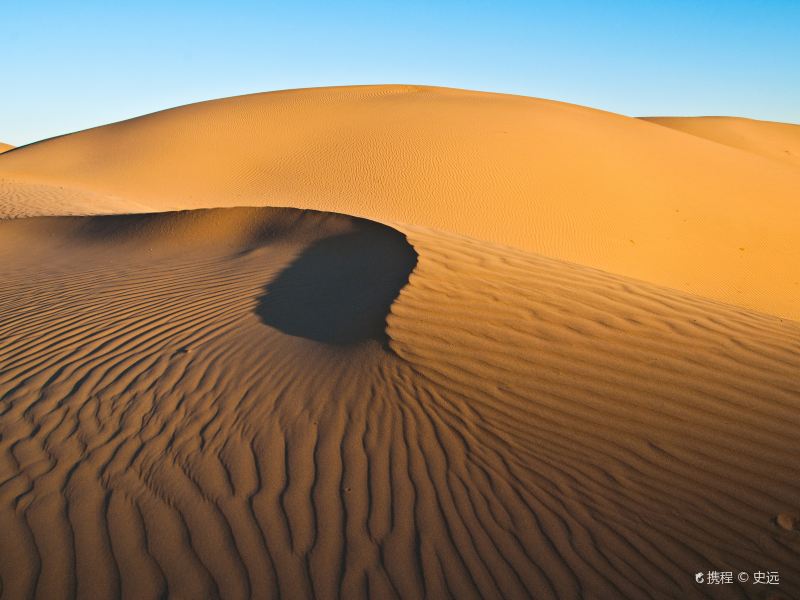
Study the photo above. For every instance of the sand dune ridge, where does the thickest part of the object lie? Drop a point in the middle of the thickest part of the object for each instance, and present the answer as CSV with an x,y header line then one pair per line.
x,y
569,182
161,437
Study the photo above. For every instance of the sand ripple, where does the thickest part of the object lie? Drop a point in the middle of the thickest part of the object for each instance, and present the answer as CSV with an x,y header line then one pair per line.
x,y
522,427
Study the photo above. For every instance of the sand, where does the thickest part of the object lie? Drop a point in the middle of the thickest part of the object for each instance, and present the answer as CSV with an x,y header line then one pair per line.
x,y
568,182
777,141
376,385
5,147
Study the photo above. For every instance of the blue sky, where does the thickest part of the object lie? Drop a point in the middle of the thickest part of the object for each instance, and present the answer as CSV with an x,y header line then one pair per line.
x,y
66,66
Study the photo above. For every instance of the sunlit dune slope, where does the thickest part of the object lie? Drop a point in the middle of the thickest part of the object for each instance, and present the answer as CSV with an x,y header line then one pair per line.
x,y
279,403
5,147
25,198
574,183
778,141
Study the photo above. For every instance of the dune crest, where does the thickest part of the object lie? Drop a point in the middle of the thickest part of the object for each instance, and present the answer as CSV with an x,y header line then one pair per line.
x,y
525,427
569,182
777,141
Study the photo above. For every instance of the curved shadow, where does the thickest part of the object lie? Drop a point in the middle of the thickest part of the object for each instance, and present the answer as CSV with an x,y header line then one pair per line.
x,y
340,289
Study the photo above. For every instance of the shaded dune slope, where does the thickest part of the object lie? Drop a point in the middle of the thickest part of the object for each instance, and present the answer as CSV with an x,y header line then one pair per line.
x,y
519,426
340,289
565,181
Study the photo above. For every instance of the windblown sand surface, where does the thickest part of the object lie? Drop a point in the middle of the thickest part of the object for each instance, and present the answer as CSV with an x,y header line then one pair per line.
x,y
778,141
569,182
5,147
396,393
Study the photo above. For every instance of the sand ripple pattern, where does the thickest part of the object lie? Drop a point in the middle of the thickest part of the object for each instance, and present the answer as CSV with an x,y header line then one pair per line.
x,y
528,428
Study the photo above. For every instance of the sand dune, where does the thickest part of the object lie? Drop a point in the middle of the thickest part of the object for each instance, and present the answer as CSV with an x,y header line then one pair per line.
x,y
177,424
778,141
568,182
5,147
418,391
26,198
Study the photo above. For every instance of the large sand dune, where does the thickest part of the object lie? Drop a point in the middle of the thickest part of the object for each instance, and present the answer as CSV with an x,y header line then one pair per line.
x,y
569,182
5,147
278,402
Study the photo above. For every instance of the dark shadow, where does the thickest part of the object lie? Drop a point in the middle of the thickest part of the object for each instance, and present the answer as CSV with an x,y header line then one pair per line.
x,y
340,289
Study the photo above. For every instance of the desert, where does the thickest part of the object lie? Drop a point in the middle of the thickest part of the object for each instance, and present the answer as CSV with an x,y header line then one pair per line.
x,y
399,341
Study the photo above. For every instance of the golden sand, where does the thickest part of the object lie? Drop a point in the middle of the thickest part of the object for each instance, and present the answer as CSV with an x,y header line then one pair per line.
x,y
460,345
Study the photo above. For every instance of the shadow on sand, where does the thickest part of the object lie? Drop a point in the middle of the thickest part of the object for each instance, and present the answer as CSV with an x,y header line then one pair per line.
x,y
340,289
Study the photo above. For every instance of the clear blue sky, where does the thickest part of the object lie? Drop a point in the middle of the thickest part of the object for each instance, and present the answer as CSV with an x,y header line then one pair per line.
x,y
69,65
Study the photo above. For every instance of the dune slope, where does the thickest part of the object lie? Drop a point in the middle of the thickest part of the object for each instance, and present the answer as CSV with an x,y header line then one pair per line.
x,y
176,422
568,182
5,147
778,141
